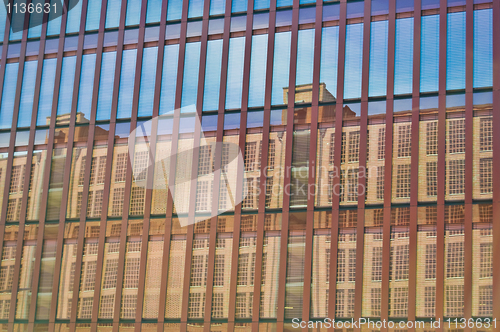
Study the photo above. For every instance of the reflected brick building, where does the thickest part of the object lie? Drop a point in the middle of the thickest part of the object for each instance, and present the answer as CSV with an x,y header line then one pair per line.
x,y
368,184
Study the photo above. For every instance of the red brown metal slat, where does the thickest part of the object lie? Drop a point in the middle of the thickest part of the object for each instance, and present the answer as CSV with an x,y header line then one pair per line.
x,y
441,162
308,253
175,137
337,152
67,179
22,217
496,160
264,162
239,177
288,161
149,174
468,268
167,228
129,172
415,119
109,163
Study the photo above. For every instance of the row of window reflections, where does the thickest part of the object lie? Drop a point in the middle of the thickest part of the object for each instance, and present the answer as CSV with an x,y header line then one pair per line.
x,y
330,181
373,262
195,10
429,73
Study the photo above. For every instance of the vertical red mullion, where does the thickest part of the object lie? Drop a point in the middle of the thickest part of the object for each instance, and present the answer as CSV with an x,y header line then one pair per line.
x,y
152,148
415,123
219,140
128,179
264,162
67,176
386,229
441,162
175,138
240,170
363,138
10,157
34,112
385,293
27,170
469,172
4,203
337,152
288,163
167,229
194,170
496,159
308,253
17,100
109,166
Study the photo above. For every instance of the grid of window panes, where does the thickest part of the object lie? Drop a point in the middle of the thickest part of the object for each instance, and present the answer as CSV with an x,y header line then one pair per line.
x,y
86,239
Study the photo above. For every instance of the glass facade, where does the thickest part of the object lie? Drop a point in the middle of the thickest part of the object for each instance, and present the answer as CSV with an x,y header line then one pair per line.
x,y
367,173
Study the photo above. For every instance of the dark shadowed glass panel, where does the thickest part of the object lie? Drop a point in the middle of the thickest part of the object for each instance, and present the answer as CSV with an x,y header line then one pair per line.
x,y
17,20
378,59
148,79
212,75
235,72
429,54
34,30
106,85
455,51
54,24
73,16
27,94
258,60
403,63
